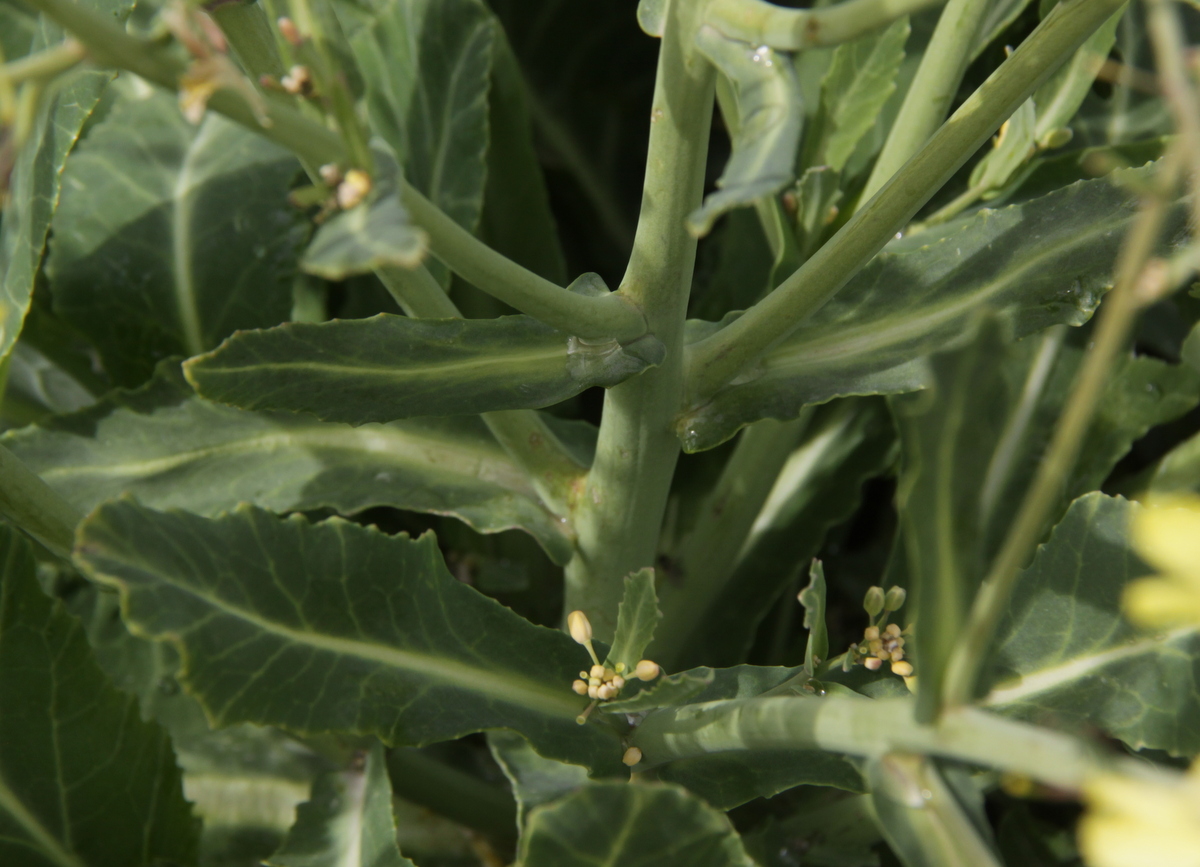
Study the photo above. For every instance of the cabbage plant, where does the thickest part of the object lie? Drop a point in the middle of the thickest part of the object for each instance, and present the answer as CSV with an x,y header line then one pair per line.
x,y
699,433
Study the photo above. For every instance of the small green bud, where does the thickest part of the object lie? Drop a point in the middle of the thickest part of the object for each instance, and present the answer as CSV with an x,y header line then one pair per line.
x,y
873,601
894,600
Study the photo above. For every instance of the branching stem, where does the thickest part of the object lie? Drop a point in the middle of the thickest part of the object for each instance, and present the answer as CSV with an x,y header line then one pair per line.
x,y
719,358
762,23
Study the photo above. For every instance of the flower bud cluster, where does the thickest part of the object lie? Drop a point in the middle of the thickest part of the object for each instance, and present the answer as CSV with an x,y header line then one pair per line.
x,y
601,682
882,641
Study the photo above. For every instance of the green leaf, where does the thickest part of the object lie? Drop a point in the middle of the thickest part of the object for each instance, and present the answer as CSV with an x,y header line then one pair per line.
x,y
1036,264
373,235
337,627
170,449
36,387
830,832
534,780
427,65
171,236
390,367
818,488
1060,97
926,822
637,618
947,434
812,598
766,132
347,822
35,182
860,79
515,184
619,825
726,780
83,780
1063,650
663,692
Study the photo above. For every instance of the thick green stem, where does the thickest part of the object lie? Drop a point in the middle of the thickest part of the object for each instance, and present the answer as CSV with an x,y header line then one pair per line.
x,y
611,316
866,727
762,23
452,793
719,358
932,89
43,64
726,516
619,515
32,506
1115,323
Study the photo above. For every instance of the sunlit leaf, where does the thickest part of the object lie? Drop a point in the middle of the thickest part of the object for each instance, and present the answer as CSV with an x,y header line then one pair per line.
x,y
35,183
337,627
392,367
170,449
1064,651
83,779
618,825
171,236
1038,263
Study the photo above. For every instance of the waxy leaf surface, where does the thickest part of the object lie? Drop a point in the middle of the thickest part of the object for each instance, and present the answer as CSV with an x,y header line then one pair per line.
x,y
619,825
1064,652
391,367
335,627
34,184
1035,264
84,781
171,236
726,780
171,449
347,822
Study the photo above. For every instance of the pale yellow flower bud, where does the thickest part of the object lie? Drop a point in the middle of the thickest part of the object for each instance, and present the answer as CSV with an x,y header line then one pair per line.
x,y
871,633
580,687
646,670
894,599
632,756
872,663
618,682
580,627
904,669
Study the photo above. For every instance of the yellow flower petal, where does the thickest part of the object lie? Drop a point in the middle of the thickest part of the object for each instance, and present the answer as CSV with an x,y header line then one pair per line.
x,y
1161,602
1167,535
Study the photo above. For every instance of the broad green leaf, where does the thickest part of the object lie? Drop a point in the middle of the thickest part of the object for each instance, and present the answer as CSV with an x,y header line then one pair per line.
x,y
812,598
860,79
923,818
947,435
337,627
637,618
1064,652
766,131
728,779
172,450
818,488
244,781
84,782
1036,264
392,367
668,690
619,825
535,780
374,235
347,822
837,831
171,236
427,64
35,182
515,185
